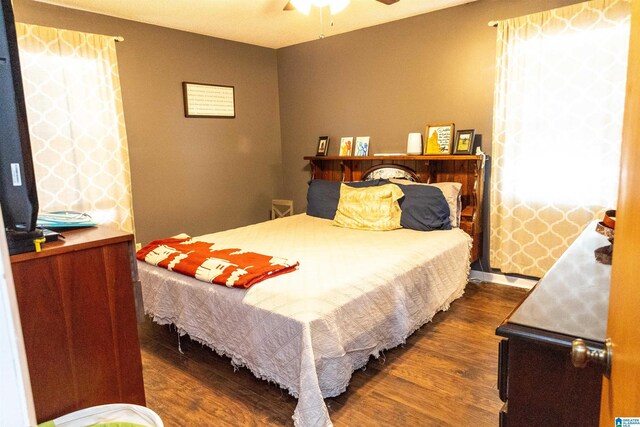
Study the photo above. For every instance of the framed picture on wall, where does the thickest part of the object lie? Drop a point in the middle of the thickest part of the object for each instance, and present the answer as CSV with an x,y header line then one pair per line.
x,y
362,146
346,145
323,146
439,139
208,100
464,141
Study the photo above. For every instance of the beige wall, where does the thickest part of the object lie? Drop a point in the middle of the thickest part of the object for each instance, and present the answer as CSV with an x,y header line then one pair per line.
x,y
188,175
389,80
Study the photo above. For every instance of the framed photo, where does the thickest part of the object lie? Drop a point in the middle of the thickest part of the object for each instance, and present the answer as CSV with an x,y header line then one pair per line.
x,y
346,145
439,139
362,146
464,141
205,100
323,146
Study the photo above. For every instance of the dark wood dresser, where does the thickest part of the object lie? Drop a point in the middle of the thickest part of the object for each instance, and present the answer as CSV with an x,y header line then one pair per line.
x,y
76,303
536,377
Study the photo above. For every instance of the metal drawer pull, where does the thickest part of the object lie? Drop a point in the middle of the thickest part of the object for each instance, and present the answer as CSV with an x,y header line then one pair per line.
x,y
581,355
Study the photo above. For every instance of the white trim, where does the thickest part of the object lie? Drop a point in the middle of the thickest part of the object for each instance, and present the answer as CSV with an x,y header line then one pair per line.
x,y
501,279
16,401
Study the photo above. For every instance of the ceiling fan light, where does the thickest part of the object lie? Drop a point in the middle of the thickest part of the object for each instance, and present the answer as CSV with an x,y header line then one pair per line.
x,y
303,6
336,6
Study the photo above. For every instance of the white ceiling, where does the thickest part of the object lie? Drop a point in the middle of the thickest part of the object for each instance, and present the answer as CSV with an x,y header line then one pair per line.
x,y
258,22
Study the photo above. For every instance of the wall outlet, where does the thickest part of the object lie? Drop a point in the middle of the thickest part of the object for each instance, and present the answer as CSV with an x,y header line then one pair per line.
x,y
138,246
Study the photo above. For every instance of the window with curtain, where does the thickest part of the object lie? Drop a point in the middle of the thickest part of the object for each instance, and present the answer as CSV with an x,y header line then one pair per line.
x,y
76,122
558,110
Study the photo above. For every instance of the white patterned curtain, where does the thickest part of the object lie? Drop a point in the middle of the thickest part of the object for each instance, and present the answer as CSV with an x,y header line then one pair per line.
x,y
76,121
557,129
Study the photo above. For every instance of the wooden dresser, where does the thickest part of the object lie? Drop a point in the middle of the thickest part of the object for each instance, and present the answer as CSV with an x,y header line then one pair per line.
x,y
76,303
536,377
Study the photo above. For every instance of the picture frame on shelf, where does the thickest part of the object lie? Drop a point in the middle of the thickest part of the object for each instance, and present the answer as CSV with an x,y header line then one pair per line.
x,y
362,146
464,141
323,146
346,146
439,139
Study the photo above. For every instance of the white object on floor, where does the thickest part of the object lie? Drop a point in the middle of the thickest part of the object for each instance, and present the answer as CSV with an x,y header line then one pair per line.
x,y
114,413
281,208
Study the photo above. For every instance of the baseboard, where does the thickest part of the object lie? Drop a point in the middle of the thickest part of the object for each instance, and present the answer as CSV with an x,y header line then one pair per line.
x,y
501,279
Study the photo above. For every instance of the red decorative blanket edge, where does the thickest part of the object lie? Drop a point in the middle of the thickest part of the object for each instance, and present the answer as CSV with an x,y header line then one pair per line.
x,y
231,267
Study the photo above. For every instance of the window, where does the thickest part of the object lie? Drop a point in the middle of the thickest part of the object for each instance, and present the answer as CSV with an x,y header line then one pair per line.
x,y
76,123
558,115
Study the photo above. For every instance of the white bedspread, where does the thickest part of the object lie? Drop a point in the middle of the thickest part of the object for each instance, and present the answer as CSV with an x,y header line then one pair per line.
x,y
355,294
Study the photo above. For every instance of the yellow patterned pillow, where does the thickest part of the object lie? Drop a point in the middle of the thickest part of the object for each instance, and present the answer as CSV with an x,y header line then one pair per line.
x,y
370,208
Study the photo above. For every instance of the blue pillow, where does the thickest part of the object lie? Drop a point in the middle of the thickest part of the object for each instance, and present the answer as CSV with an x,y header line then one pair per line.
x,y
323,196
424,208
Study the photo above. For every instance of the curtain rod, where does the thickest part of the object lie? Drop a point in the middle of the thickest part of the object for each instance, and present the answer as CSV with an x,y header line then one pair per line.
x,y
118,38
492,23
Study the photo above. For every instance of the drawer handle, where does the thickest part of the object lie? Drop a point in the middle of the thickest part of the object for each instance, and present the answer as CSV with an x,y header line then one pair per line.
x,y
581,355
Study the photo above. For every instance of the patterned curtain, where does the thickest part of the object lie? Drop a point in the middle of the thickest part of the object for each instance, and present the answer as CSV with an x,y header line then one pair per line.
x,y
76,121
557,129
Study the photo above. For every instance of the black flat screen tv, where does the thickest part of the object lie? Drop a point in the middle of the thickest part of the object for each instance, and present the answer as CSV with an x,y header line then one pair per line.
x,y
18,194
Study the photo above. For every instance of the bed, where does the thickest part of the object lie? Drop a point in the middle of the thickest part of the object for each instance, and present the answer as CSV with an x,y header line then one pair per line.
x,y
355,294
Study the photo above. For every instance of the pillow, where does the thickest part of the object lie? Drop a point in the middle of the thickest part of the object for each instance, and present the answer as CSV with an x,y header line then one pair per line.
x,y
451,191
424,208
373,208
323,196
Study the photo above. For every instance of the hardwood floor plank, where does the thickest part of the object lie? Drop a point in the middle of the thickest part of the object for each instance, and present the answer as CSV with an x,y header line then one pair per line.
x,y
445,374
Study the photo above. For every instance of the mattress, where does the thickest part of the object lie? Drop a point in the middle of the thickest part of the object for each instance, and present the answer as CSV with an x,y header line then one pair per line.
x,y
355,294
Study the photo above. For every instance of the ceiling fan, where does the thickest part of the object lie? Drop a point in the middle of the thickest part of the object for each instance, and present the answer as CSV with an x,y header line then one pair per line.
x,y
337,6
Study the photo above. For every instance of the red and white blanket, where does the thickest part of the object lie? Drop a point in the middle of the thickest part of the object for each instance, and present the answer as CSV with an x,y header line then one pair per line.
x,y
230,267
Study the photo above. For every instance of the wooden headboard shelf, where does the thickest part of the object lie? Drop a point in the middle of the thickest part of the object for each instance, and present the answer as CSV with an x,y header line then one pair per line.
x,y
467,170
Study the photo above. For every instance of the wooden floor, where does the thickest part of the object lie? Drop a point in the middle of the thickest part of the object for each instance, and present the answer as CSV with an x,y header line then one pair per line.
x,y
444,375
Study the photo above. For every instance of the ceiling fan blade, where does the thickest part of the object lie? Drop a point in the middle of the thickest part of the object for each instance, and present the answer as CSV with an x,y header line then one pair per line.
x,y
289,6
